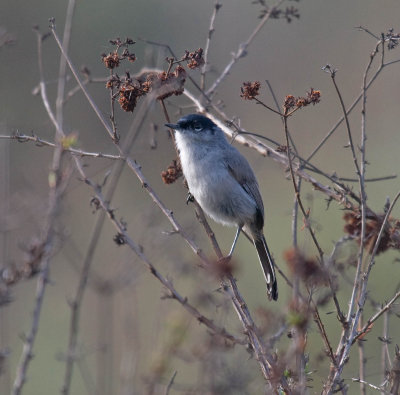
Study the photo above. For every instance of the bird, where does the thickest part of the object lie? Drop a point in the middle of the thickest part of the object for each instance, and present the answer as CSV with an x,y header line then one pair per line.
x,y
222,181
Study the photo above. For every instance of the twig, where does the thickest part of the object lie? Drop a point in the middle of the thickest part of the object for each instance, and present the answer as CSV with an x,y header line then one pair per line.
x,y
320,251
296,191
170,383
370,385
274,98
385,356
349,334
362,361
217,6
258,101
112,107
56,188
357,291
348,129
372,179
295,216
41,142
5,237
363,29
360,174
242,49
264,359
395,372
63,65
211,235
350,108
76,304
240,306
265,150
321,327
361,365
78,80
372,319
191,79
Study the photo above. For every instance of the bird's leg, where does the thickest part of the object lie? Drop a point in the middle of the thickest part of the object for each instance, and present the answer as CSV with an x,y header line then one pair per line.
x,y
227,258
239,229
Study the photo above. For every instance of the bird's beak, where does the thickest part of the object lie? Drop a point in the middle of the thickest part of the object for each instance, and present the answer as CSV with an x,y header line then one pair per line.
x,y
172,126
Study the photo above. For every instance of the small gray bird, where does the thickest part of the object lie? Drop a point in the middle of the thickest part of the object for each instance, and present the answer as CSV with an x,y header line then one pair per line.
x,y
224,185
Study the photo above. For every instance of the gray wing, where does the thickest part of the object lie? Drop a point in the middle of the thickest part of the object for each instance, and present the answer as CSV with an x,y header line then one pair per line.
x,y
241,171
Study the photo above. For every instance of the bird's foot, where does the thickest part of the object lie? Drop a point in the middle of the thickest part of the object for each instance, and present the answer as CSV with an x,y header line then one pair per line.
x,y
190,198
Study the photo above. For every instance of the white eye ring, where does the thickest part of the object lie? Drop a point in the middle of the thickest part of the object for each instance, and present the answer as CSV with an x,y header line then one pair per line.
x,y
197,127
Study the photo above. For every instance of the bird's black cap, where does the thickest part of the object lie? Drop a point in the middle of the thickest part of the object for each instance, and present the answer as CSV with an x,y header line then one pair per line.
x,y
188,121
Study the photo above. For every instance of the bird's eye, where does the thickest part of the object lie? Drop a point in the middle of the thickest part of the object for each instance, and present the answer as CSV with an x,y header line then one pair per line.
x,y
197,127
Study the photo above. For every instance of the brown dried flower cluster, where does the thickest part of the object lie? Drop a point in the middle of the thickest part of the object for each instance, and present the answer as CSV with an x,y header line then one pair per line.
x,y
390,236
163,85
307,269
313,97
290,102
166,84
112,60
250,90
129,95
194,59
173,172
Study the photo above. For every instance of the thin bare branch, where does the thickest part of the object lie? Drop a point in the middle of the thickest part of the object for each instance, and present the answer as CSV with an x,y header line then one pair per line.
x,y
170,383
22,138
62,73
76,303
339,195
375,387
166,283
349,334
377,315
385,355
57,185
217,6
79,81
242,49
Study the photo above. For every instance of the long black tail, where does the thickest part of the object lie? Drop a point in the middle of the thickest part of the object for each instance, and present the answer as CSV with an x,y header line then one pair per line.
x,y
267,264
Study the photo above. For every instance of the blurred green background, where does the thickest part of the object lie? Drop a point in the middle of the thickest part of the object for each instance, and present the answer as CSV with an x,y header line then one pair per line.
x,y
125,333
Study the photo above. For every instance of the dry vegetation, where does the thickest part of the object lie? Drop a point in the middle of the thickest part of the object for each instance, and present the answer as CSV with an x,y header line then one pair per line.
x,y
278,342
